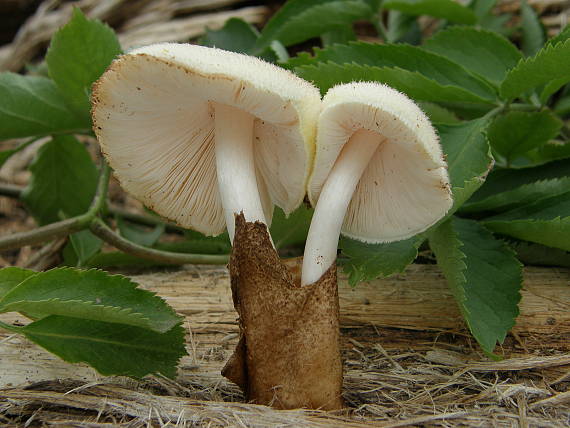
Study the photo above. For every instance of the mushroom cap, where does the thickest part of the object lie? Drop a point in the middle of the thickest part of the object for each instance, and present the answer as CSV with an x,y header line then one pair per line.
x,y
405,186
154,119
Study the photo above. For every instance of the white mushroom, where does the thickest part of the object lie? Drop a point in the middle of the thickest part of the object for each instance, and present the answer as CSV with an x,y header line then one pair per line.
x,y
379,173
200,134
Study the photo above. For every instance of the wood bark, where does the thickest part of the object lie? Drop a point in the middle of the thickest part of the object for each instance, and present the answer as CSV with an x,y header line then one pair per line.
x,y
288,355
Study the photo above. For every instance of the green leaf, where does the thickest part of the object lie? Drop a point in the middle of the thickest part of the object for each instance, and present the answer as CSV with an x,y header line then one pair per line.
x,y
517,132
484,276
63,182
403,28
445,9
545,221
84,246
532,30
112,349
438,114
7,154
413,84
369,261
33,106
519,196
484,52
430,67
550,63
553,150
482,8
10,277
562,107
93,295
78,54
540,255
552,87
467,152
138,234
502,180
236,35
300,20
290,231
343,34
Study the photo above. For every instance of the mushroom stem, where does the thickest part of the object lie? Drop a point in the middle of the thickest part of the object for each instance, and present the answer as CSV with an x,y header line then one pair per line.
x,y
235,165
322,240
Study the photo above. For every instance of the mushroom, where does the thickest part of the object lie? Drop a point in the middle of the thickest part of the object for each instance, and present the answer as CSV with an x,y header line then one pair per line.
x,y
200,134
379,173
212,139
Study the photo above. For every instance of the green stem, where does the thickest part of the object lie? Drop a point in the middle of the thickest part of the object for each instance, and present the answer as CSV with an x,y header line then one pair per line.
x,y
15,191
100,229
101,194
45,233
522,107
10,327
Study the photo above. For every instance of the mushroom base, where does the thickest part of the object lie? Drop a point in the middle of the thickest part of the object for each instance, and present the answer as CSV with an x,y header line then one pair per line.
x,y
288,355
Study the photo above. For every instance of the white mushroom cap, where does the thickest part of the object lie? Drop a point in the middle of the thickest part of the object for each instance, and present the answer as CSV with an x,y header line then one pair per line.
x,y
153,116
405,186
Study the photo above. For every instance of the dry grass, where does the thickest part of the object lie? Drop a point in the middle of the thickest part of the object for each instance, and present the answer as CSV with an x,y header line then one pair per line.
x,y
382,388
422,375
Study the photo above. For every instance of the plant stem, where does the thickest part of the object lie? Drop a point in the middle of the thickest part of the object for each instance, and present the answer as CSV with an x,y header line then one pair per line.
x,y
101,194
15,191
522,107
45,233
100,229
9,327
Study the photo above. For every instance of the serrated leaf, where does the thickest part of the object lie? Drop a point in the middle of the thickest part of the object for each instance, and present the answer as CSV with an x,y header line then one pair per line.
x,y
300,20
550,63
78,55
484,52
522,195
369,261
532,30
515,133
290,231
467,152
545,221
138,234
445,9
504,180
10,277
112,349
484,276
33,106
438,114
236,35
551,87
63,182
93,295
413,84
443,72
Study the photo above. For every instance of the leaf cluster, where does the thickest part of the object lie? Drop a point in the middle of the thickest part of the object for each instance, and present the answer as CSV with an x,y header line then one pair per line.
x,y
500,109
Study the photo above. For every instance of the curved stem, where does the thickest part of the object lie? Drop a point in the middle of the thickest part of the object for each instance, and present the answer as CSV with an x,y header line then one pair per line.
x,y
235,166
322,240
100,229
